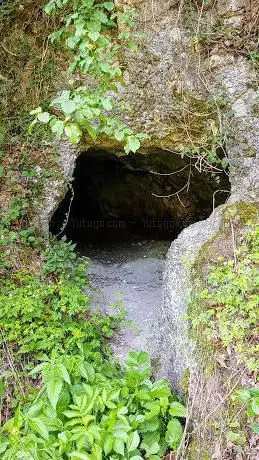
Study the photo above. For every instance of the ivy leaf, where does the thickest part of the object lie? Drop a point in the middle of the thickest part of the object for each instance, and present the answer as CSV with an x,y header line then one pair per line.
x,y
132,144
108,5
73,132
43,117
118,447
54,388
177,409
39,427
68,107
133,441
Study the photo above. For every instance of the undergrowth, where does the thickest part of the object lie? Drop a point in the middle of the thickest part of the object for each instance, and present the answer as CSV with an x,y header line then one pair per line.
x,y
225,312
83,405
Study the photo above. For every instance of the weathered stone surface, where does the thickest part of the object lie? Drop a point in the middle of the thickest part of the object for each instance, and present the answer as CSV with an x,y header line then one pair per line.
x,y
54,189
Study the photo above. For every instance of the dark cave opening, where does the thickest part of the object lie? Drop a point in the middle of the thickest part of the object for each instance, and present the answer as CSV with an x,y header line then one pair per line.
x,y
148,195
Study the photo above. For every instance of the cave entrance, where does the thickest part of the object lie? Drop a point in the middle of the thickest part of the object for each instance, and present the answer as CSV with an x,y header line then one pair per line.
x,y
123,212
148,195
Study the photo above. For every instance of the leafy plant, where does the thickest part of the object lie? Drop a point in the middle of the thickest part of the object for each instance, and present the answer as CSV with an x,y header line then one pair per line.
x,y
89,106
91,410
226,311
250,397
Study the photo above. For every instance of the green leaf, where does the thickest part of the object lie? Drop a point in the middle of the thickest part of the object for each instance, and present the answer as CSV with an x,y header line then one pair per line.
x,y
73,132
243,395
54,388
91,131
118,447
38,368
43,117
57,128
255,406
133,441
94,35
255,427
79,456
174,433
3,447
132,144
119,135
64,373
108,5
136,457
177,409
36,111
39,427
106,103
68,107
108,443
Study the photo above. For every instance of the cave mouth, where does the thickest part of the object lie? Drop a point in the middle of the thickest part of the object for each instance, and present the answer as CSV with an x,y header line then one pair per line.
x,y
152,195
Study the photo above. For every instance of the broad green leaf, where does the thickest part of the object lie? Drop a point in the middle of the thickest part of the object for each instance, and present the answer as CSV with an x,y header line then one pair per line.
x,y
94,36
36,111
174,433
91,131
105,67
118,447
108,5
106,103
38,368
255,406
68,107
177,409
136,457
58,128
255,427
39,427
243,395
54,388
79,456
73,132
63,371
133,441
119,135
132,144
3,446
43,117
122,435
108,443
34,409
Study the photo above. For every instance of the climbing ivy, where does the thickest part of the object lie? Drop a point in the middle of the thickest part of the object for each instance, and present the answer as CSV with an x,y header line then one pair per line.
x,y
94,73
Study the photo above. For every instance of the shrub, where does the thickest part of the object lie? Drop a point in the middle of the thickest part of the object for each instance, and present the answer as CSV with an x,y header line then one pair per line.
x,y
87,411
